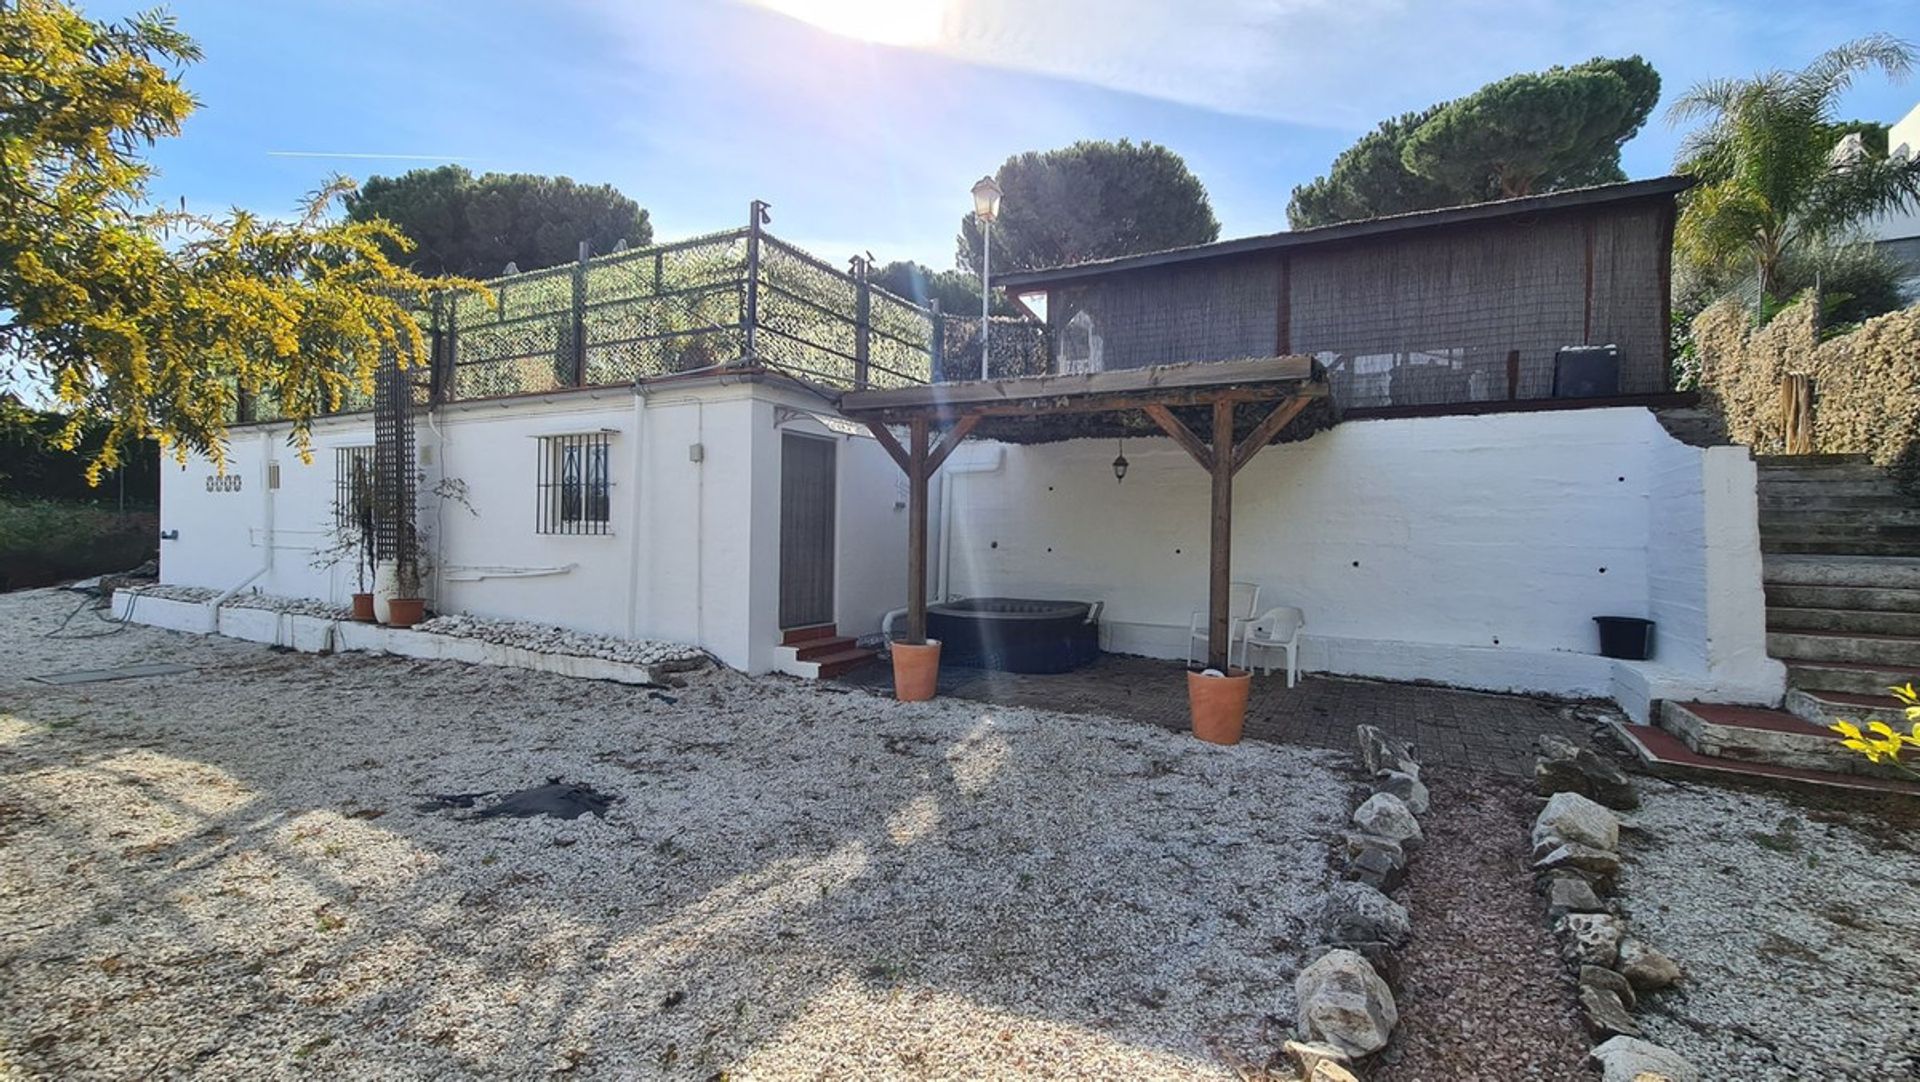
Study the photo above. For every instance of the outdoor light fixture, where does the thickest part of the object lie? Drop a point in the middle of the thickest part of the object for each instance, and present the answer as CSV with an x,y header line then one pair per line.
x,y
986,207
1120,463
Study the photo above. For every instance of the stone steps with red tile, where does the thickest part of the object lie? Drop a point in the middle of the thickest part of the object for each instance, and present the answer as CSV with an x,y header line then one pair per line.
x,y
819,652
1661,752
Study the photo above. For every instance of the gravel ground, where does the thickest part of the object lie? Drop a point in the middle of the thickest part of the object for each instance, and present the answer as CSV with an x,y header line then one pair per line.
x,y
227,874
1482,994
1798,922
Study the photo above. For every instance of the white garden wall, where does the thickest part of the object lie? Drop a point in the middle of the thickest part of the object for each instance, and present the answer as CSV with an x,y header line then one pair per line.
x,y
1468,550
692,555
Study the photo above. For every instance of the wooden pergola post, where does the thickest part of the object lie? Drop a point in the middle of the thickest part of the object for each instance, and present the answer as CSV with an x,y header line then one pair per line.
x,y
919,460
1220,545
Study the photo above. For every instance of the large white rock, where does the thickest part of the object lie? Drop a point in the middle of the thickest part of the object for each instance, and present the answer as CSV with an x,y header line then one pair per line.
x,y
1591,938
1630,1059
1570,817
1344,1003
1358,913
1405,786
1387,816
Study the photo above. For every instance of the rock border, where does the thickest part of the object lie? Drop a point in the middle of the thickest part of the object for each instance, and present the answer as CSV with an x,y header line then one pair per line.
x,y
1346,1011
1576,865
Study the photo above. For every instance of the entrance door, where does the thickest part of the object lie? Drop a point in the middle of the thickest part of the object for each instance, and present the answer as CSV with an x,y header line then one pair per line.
x,y
806,531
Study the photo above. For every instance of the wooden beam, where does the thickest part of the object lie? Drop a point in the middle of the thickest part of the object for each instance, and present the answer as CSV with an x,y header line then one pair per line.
x,y
917,473
1513,375
1266,430
950,441
1180,433
893,448
1220,551
943,412
1204,376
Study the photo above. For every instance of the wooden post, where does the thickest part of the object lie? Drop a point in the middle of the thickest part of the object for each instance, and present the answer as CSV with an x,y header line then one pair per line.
x,y
1220,552
577,358
917,534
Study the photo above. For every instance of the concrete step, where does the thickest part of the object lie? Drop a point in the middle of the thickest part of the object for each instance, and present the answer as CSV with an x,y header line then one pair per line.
x,y
1840,547
1808,462
1839,471
1891,650
1783,485
1755,734
1847,621
1856,598
1823,708
1876,572
1853,677
1815,501
1661,752
1789,521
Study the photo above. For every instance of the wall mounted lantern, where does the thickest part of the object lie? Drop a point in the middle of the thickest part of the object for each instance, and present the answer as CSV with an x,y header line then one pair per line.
x,y
1120,463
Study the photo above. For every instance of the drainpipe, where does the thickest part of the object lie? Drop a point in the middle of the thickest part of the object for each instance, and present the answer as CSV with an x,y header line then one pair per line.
x,y
266,531
635,574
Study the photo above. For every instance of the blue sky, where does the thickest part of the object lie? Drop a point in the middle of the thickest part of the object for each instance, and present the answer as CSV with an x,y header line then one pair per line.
x,y
695,107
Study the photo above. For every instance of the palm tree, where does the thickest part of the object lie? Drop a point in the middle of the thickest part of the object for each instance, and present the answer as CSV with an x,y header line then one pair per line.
x,y
1771,182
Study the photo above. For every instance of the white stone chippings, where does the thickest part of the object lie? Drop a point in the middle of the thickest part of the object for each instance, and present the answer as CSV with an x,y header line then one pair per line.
x,y
1794,919
225,874
548,639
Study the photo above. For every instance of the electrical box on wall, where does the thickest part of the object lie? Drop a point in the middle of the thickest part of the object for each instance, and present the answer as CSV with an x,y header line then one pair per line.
x,y
273,475
696,452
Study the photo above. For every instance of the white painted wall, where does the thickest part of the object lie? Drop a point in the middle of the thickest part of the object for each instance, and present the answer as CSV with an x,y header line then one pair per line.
x,y
1468,550
692,556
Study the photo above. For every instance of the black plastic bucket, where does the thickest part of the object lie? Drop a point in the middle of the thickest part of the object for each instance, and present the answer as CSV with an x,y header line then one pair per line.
x,y
1628,638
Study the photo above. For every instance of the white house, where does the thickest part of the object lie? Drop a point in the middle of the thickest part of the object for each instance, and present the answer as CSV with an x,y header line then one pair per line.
x,y
665,444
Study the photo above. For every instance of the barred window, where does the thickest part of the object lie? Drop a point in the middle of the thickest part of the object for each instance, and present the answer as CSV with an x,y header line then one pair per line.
x,y
575,484
352,486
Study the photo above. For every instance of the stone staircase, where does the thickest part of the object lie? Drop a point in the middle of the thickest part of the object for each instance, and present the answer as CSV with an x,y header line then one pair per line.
x,y
819,652
1842,571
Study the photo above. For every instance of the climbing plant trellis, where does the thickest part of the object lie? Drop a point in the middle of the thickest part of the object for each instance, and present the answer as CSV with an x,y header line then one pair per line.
x,y
739,298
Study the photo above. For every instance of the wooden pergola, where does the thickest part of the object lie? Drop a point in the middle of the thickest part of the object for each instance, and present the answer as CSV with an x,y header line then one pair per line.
x,y
1211,390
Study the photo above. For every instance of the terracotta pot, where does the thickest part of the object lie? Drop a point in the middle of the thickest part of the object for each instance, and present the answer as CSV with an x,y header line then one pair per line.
x,y
363,608
406,611
916,670
1219,705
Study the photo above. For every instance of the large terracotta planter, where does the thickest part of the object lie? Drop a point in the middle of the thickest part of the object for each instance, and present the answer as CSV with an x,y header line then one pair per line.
x,y
916,670
1218,705
406,611
363,608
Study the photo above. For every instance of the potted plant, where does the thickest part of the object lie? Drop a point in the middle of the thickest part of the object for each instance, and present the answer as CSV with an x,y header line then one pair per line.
x,y
1217,703
916,669
406,608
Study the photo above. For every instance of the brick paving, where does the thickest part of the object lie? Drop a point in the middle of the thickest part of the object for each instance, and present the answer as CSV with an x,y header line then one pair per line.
x,y
1466,729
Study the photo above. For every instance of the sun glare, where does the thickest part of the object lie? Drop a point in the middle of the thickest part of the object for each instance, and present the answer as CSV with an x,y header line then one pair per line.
x,y
884,22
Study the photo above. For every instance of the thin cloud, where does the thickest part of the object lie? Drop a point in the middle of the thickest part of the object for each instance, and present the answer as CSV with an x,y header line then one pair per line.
x,y
370,157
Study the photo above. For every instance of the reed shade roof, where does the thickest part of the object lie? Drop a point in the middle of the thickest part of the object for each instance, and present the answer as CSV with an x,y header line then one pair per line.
x,y
1456,306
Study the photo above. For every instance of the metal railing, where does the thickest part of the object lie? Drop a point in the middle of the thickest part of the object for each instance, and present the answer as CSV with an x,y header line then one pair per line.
x,y
741,299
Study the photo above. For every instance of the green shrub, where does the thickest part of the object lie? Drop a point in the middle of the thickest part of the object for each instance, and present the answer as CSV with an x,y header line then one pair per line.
x,y
47,541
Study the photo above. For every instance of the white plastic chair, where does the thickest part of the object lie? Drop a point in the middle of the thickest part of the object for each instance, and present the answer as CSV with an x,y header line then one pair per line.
x,y
1277,629
1243,600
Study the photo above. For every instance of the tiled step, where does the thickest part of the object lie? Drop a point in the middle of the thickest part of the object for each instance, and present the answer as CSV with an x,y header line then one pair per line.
x,y
1852,598
793,635
1754,734
1856,679
1823,708
1663,753
816,648
1877,572
842,662
1847,621
1889,650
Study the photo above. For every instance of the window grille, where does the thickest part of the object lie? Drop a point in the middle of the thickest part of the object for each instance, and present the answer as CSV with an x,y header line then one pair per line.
x,y
352,484
575,485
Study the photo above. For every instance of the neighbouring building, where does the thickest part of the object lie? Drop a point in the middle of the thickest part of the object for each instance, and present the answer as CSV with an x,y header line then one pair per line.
x,y
674,443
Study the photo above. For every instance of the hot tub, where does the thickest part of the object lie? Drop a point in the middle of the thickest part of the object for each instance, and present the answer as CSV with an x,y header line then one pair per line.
x,y
1016,634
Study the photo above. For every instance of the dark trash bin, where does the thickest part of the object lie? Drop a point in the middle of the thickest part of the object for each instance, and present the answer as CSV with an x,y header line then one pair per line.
x,y
1628,638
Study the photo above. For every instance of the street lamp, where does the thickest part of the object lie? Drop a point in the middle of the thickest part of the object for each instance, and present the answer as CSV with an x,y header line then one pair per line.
x,y
986,207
